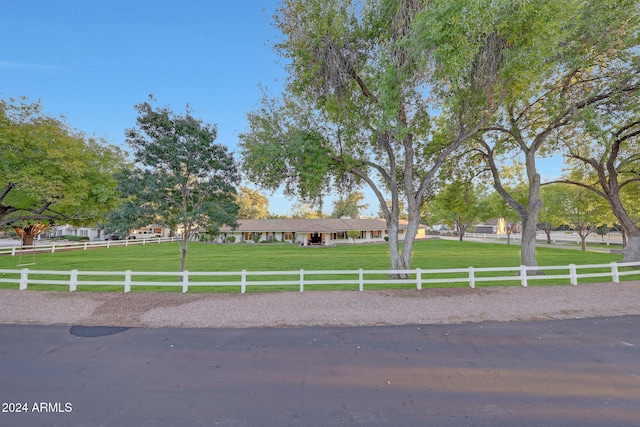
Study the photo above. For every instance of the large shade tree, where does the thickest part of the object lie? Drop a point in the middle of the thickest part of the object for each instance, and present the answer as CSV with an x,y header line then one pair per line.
x,y
349,206
252,204
184,179
51,173
357,109
579,208
459,204
604,154
559,60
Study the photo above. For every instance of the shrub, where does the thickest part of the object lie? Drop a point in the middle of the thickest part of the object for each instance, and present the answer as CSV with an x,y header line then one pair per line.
x,y
72,238
270,240
231,239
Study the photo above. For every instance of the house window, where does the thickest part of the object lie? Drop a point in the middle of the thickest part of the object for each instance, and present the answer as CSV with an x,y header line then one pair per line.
x,y
288,235
340,235
248,236
376,234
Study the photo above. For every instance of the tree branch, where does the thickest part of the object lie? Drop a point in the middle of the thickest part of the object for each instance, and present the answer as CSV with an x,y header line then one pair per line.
x,y
579,184
10,186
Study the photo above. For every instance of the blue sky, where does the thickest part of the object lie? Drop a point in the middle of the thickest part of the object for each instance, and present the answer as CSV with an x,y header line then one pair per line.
x,y
92,61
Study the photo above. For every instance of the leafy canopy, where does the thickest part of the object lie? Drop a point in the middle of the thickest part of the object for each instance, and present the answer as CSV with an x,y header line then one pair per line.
x,y
50,172
184,178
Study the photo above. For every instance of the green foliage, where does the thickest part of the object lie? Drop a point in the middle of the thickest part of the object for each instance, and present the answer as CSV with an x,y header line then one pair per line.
x,y
556,62
50,172
580,208
349,206
185,180
353,235
498,208
356,109
282,148
306,210
459,204
73,238
252,204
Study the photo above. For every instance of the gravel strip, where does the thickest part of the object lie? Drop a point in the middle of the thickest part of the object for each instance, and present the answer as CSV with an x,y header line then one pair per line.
x,y
328,308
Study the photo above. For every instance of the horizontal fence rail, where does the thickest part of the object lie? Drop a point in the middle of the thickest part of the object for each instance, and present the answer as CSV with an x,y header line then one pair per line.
x,y
300,278
52,248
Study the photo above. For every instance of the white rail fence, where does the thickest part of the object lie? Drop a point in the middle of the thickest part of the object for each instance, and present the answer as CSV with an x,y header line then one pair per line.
x,y
571,237
301,278
52,248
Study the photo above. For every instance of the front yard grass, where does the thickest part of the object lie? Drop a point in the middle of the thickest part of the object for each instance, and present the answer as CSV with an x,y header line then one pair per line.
x,y
203,257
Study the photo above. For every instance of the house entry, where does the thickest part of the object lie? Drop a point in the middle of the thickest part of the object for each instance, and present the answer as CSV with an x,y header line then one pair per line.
x,y
316,238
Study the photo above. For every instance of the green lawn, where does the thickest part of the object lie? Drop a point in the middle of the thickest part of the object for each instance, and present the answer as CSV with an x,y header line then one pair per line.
x,y
428,254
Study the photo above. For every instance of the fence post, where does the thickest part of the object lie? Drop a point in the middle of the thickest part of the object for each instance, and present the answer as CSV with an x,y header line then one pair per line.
x,y
360,280
53,248
13,251
24,278
73,281
301,280
127,281
615,277
418,278
85,246
185,281
523,275
573,275
472,278
243,282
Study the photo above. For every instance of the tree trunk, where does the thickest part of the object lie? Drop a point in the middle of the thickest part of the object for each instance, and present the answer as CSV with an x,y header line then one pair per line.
x,y
630,231
461,230
528,243
632,250
530,218
183,251
30,232
546,227
27,239
583,241
409,240
397,261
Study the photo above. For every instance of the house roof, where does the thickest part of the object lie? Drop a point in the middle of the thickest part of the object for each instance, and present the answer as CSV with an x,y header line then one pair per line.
x,y
324,225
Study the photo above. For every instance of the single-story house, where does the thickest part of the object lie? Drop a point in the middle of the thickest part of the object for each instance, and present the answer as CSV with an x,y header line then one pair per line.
x,y
306,232
94,233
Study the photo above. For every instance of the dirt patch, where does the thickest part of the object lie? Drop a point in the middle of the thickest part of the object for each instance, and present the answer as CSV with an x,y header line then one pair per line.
x,y
130,307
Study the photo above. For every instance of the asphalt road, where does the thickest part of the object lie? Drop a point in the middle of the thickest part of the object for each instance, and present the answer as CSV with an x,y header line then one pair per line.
x,y
549,373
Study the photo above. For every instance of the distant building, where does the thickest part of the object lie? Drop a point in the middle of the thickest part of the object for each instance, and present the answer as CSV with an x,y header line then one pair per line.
x,y
497,226
94,233
306,232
